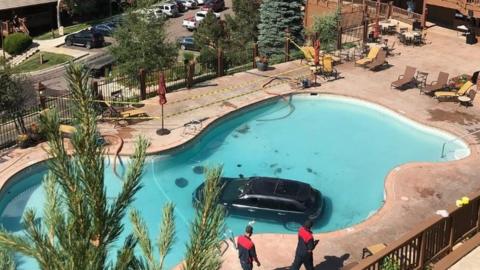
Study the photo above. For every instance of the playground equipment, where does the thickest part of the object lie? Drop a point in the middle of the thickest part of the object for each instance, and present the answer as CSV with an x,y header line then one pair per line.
x,y
14,26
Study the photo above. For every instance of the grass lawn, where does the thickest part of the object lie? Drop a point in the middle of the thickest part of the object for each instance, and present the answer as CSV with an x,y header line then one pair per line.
x,y
49,60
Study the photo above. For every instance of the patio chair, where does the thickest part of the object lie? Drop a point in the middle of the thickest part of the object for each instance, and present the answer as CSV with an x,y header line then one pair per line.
x,y
327,70
371,55
440,83
379,61
408,77
440,95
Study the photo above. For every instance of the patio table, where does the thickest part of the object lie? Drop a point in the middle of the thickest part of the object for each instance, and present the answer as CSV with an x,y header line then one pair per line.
x,y
411,34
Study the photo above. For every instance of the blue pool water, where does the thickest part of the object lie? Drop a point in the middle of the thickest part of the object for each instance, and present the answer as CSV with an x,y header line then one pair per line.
x,y
342,147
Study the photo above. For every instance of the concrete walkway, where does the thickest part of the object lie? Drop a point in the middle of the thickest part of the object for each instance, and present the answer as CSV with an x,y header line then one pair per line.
x,y
469,262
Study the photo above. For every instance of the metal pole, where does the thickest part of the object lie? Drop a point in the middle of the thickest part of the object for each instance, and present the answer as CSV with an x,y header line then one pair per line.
x,y
162,117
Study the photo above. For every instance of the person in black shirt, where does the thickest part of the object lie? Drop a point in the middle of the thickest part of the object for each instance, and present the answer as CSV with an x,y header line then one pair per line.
x,y
246,250
305,246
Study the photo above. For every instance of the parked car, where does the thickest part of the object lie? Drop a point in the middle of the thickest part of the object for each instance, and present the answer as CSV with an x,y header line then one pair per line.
x,y
200,15
105,29
86,38
180,6
191,23
191,4
268,198
151,13
200,2
215,5
168,9
187,43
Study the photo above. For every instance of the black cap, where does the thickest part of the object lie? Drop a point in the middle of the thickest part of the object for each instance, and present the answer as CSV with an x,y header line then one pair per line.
x,y
308,224
249,229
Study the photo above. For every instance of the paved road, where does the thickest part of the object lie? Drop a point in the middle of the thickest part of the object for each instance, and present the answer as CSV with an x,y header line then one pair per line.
x,y
54,79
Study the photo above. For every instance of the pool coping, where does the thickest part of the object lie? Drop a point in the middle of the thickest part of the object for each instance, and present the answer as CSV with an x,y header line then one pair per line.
x,y
389,182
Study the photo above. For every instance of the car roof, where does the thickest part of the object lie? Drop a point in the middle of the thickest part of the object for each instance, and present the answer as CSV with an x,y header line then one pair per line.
x,y
268,186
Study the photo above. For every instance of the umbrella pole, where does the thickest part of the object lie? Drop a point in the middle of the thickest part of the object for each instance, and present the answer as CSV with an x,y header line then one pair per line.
x,y
163,131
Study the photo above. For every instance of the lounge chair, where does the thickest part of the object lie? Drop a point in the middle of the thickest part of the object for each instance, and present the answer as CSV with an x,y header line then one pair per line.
x,y
449,94
67,130
119,115
327,70
439,84
378,61
372,54
406,78
309,53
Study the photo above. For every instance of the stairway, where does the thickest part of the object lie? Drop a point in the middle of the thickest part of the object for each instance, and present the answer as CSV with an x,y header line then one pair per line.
x,y
17,60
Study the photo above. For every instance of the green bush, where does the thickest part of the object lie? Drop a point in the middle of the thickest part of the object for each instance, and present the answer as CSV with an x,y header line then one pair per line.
x,y
17,43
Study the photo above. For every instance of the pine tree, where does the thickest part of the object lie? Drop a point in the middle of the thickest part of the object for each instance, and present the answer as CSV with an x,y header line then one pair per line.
x,y
276,16
243,27
203,249
79,224
6,260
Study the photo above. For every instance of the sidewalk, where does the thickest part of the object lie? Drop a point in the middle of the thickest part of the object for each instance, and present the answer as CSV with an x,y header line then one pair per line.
x,y
469,262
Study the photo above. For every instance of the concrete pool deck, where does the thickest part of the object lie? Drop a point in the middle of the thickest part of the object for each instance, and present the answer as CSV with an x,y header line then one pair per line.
x,y
414,191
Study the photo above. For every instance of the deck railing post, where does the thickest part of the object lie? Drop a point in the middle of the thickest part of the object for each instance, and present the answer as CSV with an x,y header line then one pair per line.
x,y
143,85
450,229
255,54
287,45
190,73
421,259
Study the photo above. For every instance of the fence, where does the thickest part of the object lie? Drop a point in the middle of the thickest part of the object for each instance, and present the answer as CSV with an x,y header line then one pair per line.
x,y
126,87
14,123
429,241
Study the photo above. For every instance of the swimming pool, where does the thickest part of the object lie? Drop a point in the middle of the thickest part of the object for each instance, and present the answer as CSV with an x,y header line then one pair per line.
x,y
341,146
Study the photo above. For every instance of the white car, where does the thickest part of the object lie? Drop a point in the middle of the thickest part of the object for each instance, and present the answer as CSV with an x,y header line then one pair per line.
x,y
200,2
191,4
150,13
168,9
200,15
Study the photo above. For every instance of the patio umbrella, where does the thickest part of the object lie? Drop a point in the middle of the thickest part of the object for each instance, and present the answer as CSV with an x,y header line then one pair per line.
x,y
162,99
316,47
162,89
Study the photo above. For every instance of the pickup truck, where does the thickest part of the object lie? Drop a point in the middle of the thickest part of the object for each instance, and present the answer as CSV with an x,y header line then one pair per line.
x,y
192,23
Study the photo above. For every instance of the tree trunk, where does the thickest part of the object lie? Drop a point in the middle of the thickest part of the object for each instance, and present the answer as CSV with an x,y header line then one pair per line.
x,y
59,24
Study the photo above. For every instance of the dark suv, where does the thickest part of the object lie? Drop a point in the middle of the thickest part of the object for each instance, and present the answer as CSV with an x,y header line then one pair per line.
x,y
268,198
86,38
215,5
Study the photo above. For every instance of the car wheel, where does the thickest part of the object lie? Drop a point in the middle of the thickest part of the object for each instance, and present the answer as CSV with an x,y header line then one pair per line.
x,y
183,47
88,45
68,43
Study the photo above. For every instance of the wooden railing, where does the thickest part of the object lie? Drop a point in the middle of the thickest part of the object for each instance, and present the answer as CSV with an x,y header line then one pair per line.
x,y
430,240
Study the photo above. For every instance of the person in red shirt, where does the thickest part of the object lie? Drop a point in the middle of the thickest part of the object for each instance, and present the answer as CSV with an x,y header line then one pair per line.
x,y
246,250
305,246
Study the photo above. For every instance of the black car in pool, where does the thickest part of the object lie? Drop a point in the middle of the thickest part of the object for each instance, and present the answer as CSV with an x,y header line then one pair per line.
x,y
268,198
